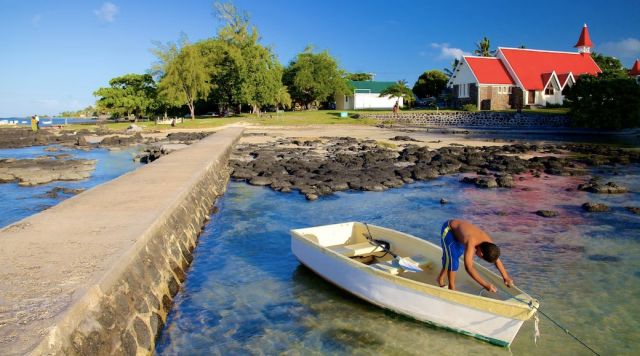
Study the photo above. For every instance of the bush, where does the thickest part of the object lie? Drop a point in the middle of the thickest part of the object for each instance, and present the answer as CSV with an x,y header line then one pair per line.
x,y
469,107
604,103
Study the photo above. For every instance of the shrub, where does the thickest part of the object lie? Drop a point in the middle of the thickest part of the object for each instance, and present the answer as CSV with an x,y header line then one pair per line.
x,y
469,107
604,103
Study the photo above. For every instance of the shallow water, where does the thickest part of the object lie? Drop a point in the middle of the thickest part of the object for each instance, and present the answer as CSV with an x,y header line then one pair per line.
x,y
18,202
247,294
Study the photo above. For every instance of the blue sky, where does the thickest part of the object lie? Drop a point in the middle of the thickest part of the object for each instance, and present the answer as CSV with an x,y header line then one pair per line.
x,y
55,54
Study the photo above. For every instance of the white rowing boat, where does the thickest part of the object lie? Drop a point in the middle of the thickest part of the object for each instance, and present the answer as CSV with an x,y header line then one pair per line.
x,y
345,256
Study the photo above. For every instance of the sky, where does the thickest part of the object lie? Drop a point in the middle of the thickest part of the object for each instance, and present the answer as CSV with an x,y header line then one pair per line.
x,y
55,54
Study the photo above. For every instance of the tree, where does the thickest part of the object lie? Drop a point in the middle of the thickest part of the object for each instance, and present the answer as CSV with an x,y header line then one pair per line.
x,y
430,83
399,90
359,77
604,102
611,66
454,64
186,79
130,94
283,98
242,70
314,78
483,48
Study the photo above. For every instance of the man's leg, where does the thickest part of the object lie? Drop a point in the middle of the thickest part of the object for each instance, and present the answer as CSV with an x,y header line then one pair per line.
x,y
441,277
451,275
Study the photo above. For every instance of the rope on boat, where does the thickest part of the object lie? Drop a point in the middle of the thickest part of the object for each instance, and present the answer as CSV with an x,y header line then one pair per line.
x,y
530,304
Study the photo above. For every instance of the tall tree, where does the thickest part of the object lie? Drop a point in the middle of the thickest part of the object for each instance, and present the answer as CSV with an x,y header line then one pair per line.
x,y
399,90
130,94
186,79
430,83
313,78
359,77
246,71
611,66
483,48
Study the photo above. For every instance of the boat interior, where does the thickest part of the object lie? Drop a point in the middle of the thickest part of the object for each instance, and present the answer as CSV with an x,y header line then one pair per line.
x,y
375,246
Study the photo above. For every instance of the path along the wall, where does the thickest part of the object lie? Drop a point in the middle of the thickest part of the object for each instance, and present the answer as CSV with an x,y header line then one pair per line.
x,y
96,274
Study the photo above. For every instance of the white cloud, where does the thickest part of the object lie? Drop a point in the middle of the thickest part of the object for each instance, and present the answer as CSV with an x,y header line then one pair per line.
x,y
627,48
35,20
447,52
107,12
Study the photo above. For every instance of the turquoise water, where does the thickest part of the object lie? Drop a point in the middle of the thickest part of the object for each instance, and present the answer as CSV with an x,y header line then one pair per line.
x,y
247,294
18,202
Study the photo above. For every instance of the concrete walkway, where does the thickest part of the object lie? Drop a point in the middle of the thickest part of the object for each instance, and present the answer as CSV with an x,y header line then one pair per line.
x,y
52,260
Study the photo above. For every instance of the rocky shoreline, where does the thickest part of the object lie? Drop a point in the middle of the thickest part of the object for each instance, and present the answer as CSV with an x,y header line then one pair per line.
x,y
62,166
319,167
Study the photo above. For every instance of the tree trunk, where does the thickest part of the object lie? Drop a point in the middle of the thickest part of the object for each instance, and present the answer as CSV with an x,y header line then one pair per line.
x,y
192,109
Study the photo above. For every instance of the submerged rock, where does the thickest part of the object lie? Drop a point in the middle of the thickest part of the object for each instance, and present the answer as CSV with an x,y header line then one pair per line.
x,y
595,207
44,169
609,188
547,213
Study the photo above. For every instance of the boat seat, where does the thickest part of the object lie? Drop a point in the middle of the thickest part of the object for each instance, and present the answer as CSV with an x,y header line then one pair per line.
x,y
390,266
360,249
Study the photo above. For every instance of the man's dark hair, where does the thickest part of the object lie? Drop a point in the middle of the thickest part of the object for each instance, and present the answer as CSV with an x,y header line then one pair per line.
x,y
490,252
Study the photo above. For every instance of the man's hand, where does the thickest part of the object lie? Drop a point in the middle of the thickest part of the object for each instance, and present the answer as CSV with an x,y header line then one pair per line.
x,y
508,281
491,288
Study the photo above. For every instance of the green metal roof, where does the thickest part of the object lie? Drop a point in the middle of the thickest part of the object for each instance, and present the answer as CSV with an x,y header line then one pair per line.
x,y
370,86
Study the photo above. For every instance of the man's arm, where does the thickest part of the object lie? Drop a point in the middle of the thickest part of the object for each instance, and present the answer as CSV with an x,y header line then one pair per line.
x,y
505,276
468,265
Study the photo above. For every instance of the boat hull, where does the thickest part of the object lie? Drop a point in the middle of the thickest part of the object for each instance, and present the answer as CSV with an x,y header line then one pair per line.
x,y
365,283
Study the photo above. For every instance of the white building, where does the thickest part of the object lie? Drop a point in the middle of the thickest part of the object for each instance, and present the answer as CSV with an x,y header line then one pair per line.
x,y
366,95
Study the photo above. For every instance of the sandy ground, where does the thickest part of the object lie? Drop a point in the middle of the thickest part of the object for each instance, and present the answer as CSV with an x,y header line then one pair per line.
x,y
433,138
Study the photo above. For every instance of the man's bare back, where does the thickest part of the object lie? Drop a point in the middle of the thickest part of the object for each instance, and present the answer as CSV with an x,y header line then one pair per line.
x,y
475,242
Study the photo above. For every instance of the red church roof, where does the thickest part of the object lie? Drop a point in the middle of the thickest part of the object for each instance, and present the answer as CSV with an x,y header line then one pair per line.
x,y
635,70
489,70
530,65
584,39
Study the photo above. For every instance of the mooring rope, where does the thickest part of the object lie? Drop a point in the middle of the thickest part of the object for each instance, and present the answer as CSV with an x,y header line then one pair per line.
x,y
530,304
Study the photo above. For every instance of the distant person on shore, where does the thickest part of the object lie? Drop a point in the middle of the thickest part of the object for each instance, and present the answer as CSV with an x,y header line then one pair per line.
x,y
37,123
396,106
460,237
34,125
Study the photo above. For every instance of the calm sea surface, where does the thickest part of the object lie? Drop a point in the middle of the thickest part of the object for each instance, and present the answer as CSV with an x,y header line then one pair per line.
x,y
247,294
18,202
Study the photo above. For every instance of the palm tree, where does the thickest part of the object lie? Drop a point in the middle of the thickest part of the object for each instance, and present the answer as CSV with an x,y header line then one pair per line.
x,y
483,48
399,90
454,64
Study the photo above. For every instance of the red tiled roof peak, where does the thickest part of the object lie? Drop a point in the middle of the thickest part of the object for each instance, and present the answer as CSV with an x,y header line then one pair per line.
x,y
635,70
584,40
489,70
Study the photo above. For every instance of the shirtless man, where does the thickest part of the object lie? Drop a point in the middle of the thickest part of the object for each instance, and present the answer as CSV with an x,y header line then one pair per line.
x,y
458,237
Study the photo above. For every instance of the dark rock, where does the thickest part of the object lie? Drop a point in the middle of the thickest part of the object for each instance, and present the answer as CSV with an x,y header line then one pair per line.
x,y
547,213
506,181
260,181
609,188
443,201
404,138
633,209
604,258
595,207
143,336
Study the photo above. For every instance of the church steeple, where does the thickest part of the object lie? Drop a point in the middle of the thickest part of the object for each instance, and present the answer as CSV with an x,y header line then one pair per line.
x,y
584,42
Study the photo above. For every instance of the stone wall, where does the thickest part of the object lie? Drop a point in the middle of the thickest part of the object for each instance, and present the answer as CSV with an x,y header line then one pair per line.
x,y
110,278
471,119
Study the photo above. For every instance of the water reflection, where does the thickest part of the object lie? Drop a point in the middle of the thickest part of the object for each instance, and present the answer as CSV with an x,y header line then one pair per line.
x,y
247,294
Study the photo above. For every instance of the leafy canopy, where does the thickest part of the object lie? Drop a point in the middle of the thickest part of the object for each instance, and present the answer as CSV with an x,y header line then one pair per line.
x,y
359,77
314,77
430,83
604,102
611,66
130,94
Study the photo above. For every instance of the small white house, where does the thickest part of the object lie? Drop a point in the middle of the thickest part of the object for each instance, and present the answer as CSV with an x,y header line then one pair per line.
x,y
366,95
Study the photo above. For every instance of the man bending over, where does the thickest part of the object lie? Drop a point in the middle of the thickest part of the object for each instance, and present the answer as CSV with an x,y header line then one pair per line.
x,y
458,237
